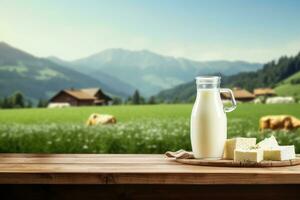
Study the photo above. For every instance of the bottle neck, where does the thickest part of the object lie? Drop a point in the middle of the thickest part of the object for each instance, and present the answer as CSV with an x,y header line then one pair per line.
x,y
211,86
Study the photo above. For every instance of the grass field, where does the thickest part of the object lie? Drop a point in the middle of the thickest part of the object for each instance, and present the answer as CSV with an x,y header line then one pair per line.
x,y
286,88
140,129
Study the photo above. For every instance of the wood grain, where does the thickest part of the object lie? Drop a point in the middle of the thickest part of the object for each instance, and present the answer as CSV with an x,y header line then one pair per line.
x,y
130,169
231,163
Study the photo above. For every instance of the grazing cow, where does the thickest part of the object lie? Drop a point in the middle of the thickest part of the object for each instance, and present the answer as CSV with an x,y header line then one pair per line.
x,y
278,100
58,105
96,119
276,122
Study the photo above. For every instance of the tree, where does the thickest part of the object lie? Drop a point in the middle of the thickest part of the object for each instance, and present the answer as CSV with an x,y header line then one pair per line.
x,y
7,102
192,99
29,104
142,100
42,103
128,100
116,101
136,99
152,100
295,81
176,100
18,100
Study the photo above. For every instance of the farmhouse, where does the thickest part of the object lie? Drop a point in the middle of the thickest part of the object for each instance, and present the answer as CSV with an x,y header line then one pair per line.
x,y
81,97
240,95
267,92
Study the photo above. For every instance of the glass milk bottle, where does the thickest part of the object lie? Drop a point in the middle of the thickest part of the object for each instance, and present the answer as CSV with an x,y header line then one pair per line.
x,y
208,120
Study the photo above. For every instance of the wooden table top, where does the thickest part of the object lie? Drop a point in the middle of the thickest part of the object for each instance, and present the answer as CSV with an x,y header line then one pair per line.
x,y
130,169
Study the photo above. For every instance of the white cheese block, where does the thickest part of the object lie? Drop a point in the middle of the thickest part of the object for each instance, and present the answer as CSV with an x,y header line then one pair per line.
x,y
280,153
237,143
268,143
248,155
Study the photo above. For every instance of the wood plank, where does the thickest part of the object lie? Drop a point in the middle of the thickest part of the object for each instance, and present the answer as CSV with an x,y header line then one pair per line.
x,y
145,178
137,168
231,163
130,169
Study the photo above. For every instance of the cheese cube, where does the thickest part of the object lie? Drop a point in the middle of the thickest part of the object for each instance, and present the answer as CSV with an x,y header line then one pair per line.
x,y
268,143
248,155
280,153
237,143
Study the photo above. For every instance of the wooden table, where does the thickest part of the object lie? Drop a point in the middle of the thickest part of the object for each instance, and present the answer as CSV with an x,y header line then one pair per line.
x,y
89,176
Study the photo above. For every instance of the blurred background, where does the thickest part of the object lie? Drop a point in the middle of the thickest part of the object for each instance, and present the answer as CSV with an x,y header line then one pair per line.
x,y
135,61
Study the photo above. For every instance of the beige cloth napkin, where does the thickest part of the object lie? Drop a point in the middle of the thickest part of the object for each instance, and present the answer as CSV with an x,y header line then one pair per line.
x,y
180,154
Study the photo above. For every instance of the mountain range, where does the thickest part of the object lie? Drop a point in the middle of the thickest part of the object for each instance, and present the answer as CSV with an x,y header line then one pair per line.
x,y
282,75
116,84
150,72
117,71
38,77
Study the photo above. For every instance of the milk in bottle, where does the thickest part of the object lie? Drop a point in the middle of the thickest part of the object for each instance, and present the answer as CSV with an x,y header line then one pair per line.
x,y
208,120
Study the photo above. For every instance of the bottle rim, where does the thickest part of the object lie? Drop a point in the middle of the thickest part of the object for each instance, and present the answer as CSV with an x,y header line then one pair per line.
x,y
208,79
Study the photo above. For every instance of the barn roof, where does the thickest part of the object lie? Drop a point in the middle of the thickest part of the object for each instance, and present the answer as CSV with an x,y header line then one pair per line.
x,y
90,91
85,94
79,94
263,91
240,94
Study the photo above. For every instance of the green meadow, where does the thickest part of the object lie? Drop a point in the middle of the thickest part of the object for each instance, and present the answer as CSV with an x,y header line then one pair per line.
x,y
130,113
139,129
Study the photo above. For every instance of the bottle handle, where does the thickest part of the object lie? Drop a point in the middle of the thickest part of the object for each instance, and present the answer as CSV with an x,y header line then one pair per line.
x,y
233,102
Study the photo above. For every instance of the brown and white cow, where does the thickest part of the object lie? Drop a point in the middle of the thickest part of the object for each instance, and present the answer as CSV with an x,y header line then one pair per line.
x,y
278,122
97,119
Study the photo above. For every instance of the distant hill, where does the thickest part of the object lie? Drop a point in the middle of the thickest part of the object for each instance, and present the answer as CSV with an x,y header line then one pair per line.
x,y
270,75
151,72
38,77
117,71
115,84
289,86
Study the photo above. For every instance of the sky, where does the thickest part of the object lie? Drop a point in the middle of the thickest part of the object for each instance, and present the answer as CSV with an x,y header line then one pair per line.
x,y
250,30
